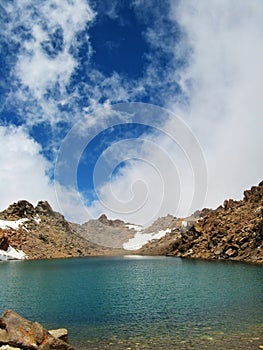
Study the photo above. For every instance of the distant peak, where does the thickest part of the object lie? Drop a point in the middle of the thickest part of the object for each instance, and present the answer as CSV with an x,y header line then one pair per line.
x,y
103,217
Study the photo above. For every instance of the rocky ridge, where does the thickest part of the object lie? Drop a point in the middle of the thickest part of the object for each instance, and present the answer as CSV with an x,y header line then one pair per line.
x,y
105,232
43,233
232,231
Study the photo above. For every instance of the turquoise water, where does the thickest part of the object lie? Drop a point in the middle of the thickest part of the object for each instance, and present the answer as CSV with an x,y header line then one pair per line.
x,y
140,302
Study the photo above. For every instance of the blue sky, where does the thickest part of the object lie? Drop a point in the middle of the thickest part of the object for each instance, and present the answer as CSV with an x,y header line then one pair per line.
x,y
63,61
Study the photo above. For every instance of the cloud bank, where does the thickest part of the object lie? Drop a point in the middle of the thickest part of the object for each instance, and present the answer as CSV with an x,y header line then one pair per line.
x,y
24,171
223,82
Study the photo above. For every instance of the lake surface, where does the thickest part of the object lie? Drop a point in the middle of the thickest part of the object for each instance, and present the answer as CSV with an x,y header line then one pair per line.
x,y
140,302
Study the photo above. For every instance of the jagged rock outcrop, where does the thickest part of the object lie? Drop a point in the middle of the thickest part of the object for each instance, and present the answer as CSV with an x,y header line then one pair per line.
x,y
44,233
232,231
112,223
18,333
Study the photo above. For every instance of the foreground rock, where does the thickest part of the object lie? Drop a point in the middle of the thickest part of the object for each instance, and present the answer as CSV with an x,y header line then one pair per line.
x,y
233,231
19,333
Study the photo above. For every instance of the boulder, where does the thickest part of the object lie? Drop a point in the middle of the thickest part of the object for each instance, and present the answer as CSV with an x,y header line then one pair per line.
x,y
4,243
61,333
19,332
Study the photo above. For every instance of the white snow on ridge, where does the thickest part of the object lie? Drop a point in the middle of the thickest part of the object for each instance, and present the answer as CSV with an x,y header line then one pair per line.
x,y
14,224
37,219
11,223
140,239
134,227
12,254
184,223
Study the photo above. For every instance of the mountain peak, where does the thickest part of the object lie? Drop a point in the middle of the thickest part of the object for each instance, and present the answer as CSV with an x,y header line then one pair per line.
x,y
44,208
18,210
24,209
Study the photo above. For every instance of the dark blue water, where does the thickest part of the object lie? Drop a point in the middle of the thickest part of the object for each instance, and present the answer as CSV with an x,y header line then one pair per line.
x,y
121,302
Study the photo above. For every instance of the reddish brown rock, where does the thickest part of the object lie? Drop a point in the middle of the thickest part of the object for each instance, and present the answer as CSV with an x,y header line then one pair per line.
x,y
24,334
233,231
4,244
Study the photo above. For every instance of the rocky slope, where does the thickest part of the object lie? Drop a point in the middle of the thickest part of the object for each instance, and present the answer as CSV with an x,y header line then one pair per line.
x,y
105,232
43,233
232,231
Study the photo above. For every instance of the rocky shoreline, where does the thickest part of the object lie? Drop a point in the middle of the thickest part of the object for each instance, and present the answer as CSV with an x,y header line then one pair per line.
x,y
18,333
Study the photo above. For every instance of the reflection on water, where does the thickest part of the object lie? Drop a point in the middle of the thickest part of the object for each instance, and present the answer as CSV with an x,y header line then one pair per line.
x,y
138,302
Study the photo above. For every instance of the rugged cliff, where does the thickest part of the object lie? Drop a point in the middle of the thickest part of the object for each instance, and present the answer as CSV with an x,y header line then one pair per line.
x,y
232,231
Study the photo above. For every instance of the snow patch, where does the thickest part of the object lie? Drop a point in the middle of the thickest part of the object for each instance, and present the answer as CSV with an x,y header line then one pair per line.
x,y
184,223
140,239
14,224
37,219
12,254
134,227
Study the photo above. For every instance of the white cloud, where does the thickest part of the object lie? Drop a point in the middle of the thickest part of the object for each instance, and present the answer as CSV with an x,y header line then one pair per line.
x,y
47,35
157,177
136,179
223,82
24,171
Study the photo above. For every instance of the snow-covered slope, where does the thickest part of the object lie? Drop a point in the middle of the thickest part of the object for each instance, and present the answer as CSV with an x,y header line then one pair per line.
x,y
14,224
12,254
142,238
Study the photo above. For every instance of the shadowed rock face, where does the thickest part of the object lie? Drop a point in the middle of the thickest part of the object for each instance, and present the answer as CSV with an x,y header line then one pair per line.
x,y
15,331
232,231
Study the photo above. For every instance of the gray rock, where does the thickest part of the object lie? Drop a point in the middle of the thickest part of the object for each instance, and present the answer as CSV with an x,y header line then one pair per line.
x,y
61,333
